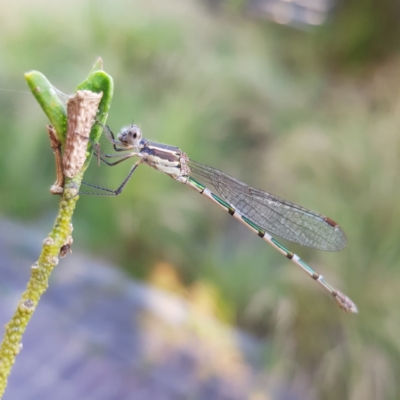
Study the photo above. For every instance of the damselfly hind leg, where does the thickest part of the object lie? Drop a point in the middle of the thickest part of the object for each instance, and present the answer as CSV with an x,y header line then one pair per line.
x,y
111,192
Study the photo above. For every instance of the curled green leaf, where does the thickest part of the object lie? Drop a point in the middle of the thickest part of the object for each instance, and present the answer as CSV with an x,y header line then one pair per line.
x,y
47,97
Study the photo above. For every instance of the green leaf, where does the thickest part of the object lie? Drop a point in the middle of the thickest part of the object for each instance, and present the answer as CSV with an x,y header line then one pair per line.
x,y
99,81
47,97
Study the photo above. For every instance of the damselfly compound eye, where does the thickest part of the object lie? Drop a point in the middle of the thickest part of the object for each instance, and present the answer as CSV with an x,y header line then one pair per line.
x,y
132,135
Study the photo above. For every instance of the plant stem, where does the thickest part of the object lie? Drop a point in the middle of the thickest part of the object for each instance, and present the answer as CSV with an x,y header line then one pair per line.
x,y
60,236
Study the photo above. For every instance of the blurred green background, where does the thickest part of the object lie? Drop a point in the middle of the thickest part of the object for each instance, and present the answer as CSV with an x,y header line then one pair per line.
x,y
310,115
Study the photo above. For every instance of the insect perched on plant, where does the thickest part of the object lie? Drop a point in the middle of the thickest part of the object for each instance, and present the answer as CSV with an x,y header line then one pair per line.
x,y
261,212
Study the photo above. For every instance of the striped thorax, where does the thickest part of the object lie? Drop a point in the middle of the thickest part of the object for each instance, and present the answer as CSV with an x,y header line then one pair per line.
x,y
164,158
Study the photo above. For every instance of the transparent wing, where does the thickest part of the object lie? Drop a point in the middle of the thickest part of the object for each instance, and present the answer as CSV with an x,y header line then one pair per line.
x,y
273,214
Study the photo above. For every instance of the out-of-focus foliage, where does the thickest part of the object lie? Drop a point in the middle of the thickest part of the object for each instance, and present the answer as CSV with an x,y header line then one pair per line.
x,y
260,102
357,33
362,32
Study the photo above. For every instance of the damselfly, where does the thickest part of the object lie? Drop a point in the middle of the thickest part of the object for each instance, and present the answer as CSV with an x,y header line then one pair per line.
x,y
261,212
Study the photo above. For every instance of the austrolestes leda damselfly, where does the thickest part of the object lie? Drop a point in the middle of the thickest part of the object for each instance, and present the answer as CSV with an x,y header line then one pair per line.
x,y
261,212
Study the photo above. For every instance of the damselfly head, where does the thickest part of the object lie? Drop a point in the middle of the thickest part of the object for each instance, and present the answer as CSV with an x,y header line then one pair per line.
x,y
130,135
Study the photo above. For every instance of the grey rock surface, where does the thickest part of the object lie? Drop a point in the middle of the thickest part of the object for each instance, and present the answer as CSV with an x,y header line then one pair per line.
x,y
99,335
